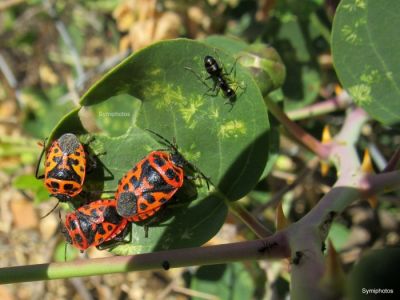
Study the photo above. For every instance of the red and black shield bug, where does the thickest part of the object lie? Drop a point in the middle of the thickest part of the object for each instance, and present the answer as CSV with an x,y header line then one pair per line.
x,y
94,224
65,167
152,182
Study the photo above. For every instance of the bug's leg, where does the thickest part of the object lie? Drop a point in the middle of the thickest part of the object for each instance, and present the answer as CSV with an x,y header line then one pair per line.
x,y
233,68
199,77
199,175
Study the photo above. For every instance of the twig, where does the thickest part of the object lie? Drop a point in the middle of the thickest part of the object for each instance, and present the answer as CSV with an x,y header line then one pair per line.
x,y
330,105
278,196
102,68
250,220
296,131
11,80
394,160
106,65
219,254
80,288
377,156
308,233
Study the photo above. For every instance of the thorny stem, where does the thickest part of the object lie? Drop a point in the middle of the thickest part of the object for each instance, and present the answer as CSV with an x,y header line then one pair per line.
x,y
308,233
273,247
296,131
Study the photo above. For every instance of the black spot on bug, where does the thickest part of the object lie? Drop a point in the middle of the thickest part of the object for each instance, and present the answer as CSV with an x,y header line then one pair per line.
x,y
166,265
77,153
149,198
159,161
170,173
143,206
68,186
94,213
109,227
48,164
126,187
56,159
55,185
81,169
177,179
111,215
56,150
101,240
163,200
78,239
72,225
101,230
48,184
134,181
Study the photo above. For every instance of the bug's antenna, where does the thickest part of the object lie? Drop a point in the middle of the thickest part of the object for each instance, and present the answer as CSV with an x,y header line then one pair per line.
x,y
167,142
55,206
40,159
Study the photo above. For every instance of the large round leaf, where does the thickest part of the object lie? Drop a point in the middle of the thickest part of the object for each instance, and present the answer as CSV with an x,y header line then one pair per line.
x,y
152,89
365,45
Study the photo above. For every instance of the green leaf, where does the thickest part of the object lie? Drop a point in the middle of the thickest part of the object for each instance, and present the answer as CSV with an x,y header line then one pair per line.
x,y
377,272
365,44
293,34
271,77
231,281
152,89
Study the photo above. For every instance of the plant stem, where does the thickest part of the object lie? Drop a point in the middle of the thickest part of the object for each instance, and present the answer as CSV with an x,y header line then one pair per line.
x,y
330,105
219,254
250,220
297,132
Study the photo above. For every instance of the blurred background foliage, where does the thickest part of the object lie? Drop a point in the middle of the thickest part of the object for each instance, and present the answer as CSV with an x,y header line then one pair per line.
x,y
52,51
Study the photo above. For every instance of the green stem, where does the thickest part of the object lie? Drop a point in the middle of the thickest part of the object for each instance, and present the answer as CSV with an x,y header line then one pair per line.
x,y
219,254
297,132
250,220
